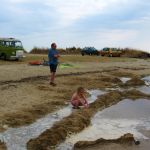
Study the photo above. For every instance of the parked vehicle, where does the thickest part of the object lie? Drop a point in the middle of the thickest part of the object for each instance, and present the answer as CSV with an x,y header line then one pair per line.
x,y
89,51
111,52
11,48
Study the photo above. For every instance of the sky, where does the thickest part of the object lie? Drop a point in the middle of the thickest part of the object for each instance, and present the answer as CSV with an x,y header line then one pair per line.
x,y
79,23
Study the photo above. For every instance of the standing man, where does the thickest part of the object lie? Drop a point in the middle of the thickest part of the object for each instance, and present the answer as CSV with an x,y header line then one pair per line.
x,y
53,56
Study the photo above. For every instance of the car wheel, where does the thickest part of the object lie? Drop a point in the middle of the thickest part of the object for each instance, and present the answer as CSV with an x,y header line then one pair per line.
x,y
4,56
110,55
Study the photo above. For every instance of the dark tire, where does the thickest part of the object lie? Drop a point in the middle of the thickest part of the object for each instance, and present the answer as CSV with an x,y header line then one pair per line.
x,y
4,56
110,55
82,54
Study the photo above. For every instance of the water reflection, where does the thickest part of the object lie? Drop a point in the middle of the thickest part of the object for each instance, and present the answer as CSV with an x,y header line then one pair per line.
x,y
126,117
145,89
124,79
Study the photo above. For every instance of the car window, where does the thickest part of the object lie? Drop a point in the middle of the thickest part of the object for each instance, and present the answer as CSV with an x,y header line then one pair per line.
x,y
7,43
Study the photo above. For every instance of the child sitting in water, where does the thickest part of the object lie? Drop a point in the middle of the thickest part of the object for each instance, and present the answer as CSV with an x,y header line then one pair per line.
x,y
78,98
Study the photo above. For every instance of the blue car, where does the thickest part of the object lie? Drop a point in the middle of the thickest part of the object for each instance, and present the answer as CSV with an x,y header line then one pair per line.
x,y
89,51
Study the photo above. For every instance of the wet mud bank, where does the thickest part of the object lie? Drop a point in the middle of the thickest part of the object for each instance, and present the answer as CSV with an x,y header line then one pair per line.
x,y
127,116
16,138
128,82
2,146
125,139
134,82
29,115
78,120
45,77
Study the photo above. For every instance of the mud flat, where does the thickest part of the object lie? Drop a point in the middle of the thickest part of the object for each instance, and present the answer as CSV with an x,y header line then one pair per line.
x,y
127,116
2,146
16,138
109,145
25,100
76,122
26,95
125,142
126,139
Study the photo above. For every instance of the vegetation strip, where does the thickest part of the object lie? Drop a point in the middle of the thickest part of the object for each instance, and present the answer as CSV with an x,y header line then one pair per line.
x,y
2,146
46,76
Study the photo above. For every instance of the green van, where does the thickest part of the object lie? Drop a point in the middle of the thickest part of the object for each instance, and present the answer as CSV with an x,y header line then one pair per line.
x,y
11,48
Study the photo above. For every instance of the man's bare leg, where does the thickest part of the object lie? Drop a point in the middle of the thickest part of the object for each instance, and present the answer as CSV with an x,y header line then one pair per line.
x,y
52,78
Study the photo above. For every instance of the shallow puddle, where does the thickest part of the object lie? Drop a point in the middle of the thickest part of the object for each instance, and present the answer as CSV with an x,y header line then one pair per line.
x,y
114,89
145,89
94,94
147,78
16,138
124,79
125,117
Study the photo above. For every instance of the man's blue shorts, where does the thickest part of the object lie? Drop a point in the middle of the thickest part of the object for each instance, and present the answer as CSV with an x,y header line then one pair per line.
x,y
53,67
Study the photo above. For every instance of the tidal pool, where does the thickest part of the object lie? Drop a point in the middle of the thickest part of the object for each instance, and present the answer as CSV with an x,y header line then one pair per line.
x,y
94,94
147,78
125,117
145,89
124,79
16,138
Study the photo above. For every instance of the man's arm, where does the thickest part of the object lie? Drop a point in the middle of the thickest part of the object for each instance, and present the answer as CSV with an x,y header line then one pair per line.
x,y
56,55
49,53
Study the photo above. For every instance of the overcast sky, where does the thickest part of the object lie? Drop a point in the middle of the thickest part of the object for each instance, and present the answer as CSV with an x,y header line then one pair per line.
x,y
98,23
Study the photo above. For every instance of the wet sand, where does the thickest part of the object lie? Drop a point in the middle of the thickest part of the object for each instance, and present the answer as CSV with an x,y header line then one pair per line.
x,y
143,146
